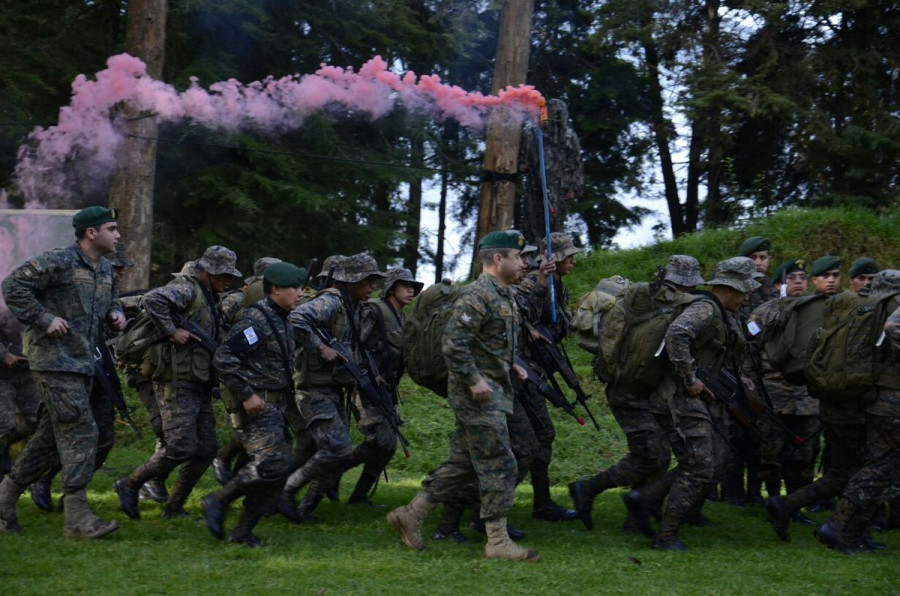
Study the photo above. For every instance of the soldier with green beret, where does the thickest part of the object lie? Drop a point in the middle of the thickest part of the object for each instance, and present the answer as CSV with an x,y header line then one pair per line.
x,y
65,297
320,380
479,344
254,365
862,271
825,273
182,374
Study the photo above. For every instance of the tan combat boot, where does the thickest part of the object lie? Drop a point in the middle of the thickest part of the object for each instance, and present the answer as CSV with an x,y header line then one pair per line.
x,y
9,494
499,546
408,520
81,521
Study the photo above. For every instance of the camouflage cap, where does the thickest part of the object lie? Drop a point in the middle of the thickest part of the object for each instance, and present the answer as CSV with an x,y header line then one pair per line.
x,y
886,281
737,273
561,246
824,264
356,268
754,244
329,261
400,274
218,260
260,266
120,258
683,270
863,266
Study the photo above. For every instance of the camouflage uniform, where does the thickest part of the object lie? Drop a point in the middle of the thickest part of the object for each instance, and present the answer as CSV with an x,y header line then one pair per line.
x,y
479,342
321,386
71,286
781,458
17,392
182,378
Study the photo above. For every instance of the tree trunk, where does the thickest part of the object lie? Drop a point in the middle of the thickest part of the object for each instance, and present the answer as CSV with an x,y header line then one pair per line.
x,y
414,205
497,206
442,229
712,119
133,182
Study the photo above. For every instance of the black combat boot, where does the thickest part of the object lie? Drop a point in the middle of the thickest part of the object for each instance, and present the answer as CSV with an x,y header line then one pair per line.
x,y
40,494
667,537
367,479
448,526
544,507
583,493
780,517
243,531
154,490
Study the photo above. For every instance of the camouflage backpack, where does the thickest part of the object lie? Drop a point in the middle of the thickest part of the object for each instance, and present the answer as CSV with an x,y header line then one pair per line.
x,y
850,354
788,342
631,339
423,333
590,313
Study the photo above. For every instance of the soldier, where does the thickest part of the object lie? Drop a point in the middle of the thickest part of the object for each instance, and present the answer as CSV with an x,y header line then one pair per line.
x,y
781,457
708,334
869,487
535,291
844,425
17,391
65,297
862,271
758,249
648,447
380,333
254,364
183,379
320,381
479,343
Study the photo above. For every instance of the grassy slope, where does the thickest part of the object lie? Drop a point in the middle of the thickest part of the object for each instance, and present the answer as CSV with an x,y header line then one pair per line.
x,y
353,550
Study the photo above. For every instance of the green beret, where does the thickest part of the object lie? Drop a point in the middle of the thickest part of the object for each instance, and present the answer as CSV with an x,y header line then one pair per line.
x,y
787,268
823,264
285,275
754,244
508,239
863,266
94,216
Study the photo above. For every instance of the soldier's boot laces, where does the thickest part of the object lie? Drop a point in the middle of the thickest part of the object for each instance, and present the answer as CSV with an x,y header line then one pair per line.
x,y
499,546
81,521
9,494
407,521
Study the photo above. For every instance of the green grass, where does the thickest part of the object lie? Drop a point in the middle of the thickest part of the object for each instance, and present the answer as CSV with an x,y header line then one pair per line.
x,y
352,550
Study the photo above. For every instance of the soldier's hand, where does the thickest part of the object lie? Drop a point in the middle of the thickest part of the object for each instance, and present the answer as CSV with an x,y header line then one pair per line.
x,y
697,388
329,355
12,361
58,327
254,405
538,336
481,391
182,336
521,373
117,320
749,385
547,267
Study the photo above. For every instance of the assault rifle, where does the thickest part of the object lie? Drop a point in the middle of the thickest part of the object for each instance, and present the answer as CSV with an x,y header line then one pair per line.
x,y
208,343
551,394
371,392
767,406
552,360
105,374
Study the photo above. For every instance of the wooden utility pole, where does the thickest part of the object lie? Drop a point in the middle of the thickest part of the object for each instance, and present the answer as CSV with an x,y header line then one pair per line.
x,y
501,156
133,182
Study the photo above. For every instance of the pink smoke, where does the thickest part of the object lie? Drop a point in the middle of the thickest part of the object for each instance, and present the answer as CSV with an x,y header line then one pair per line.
x,y
89,133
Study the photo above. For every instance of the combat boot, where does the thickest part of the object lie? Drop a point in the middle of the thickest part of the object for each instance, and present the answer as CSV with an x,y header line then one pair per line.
x,y
221,471
360,494
544,508
499,546
154,490
40,494
477,524
407,521
81,521
779,517
894,515
640,509
128,497
583,493
667,538
243,531
308,505
9,494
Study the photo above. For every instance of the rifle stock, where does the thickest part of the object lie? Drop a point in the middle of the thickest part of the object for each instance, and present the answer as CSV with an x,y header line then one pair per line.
x,y
552,395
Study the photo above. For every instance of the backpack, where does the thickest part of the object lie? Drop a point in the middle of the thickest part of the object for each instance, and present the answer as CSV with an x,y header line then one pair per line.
x,y
850,355
631,339
423,333
141,333
789,340
589,315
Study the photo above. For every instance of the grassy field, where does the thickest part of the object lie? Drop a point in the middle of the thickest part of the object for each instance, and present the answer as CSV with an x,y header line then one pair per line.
x,y
352,550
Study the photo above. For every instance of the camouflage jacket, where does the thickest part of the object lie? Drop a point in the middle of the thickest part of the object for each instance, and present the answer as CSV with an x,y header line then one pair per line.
x,y
786,398
329,312
887,402
702,336
765,292
177,297
380,332
62,283
538,301
479,342
255,354
11,332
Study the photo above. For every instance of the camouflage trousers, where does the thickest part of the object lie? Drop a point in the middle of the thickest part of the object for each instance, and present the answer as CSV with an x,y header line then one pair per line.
x,y
379,440
146,394
67,433
18,396
535,407
480,453
781,458
846,453
324,429
879,478
648,454
267,442
189,433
